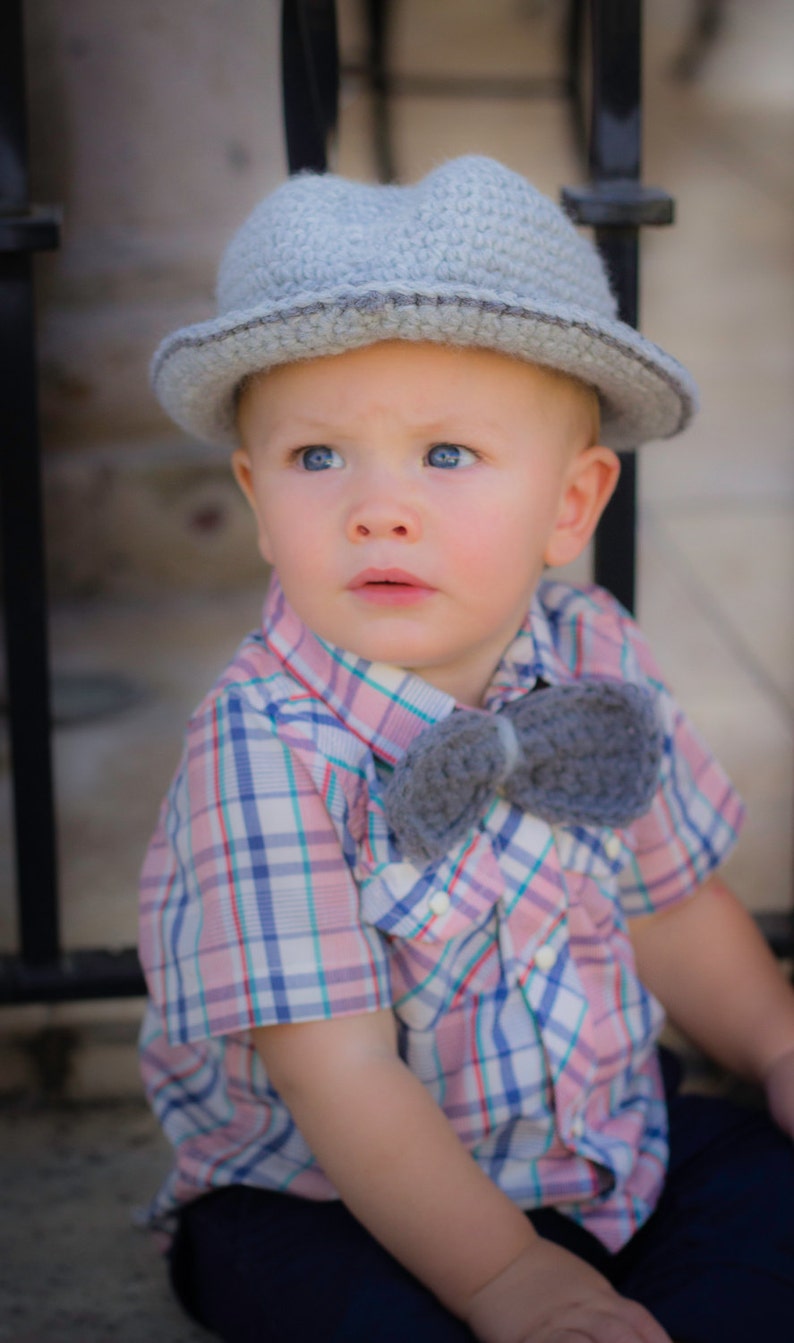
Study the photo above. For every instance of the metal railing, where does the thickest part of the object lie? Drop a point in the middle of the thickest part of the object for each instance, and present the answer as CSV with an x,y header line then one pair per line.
x,y
614,203
40,971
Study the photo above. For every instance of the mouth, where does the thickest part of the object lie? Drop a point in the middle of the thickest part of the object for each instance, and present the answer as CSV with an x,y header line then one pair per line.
x,y
389,587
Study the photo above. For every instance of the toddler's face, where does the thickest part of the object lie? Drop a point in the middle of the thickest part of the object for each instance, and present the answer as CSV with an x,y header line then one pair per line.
x,y
409,497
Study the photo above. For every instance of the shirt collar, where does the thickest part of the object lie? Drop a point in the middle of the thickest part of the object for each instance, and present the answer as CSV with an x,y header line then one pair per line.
x,y
385,706
531,658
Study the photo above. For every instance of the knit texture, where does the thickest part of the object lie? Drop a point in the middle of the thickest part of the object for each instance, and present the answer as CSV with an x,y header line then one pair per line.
x,y
588,754
472,255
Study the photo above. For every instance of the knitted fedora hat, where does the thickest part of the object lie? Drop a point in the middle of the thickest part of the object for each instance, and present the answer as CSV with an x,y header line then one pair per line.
x,y
472,255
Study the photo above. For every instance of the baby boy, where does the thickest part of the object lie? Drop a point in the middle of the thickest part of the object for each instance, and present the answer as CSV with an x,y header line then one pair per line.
x,y
442,847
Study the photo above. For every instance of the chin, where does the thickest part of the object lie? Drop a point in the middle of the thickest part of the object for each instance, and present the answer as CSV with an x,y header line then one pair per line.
x,y
390,642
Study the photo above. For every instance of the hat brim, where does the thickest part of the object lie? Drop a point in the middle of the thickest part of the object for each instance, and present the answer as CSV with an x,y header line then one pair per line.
x,y
645,394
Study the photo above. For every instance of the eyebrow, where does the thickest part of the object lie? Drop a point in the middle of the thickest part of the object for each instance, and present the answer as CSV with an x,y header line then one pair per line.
x,y
426,428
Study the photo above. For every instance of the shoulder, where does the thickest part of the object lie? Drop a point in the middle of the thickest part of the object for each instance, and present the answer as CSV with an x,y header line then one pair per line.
x,y
260,721
255,678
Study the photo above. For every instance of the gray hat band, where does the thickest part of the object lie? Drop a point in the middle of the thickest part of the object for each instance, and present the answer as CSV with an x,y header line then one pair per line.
x,y
372,301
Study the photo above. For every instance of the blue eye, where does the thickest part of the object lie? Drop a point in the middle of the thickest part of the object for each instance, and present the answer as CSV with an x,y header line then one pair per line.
x,y
320,458
448,456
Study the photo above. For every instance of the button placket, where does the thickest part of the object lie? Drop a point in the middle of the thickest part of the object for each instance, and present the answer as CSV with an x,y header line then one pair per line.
x,y
564,1019
529,917
545,957
439,903
613,846
402,877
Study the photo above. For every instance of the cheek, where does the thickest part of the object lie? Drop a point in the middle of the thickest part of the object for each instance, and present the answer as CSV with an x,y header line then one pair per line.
x,y
477,555
292,528
492,543
264,542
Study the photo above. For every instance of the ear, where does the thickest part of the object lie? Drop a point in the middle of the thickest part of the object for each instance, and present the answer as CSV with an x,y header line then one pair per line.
x,y
589,483
244,475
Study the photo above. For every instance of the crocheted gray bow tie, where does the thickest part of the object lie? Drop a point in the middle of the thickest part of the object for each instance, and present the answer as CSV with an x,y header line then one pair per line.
x,y
582,754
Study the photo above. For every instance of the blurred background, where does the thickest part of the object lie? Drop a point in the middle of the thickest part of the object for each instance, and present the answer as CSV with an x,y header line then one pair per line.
x,y
156,128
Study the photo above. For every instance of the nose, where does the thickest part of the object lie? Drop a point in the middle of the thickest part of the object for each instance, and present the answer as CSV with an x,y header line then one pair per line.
x,y
383,515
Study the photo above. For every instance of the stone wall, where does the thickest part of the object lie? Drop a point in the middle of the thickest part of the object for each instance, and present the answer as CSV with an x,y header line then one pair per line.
x,y
154,128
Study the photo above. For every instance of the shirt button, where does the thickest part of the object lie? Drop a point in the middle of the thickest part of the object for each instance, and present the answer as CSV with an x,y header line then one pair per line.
x,y
612,846
577,1126
545,957
439,903
401,878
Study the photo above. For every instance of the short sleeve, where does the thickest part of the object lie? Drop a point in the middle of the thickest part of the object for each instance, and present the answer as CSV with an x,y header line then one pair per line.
x,y
249,911
696,813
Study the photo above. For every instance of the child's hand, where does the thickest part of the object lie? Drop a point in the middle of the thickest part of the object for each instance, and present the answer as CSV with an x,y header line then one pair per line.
x,y
549,1295
779,1087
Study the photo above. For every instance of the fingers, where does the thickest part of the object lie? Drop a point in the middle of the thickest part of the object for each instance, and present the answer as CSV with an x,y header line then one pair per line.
x,y
650,1331
549,1295
622,1322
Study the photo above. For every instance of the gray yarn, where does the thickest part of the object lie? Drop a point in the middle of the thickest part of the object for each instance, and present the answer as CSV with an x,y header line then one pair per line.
x,y
590,754
472,255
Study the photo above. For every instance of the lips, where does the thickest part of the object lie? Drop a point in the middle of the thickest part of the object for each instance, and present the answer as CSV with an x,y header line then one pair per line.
x,y
389,587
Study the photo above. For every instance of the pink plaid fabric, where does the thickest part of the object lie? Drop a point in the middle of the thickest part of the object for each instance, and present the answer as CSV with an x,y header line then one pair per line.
x,y
273,891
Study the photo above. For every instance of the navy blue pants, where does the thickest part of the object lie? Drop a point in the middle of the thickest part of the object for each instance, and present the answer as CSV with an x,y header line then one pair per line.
x,y
714,1264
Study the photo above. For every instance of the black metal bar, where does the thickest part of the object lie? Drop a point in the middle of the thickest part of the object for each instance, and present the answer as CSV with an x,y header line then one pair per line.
x,y
616,205
74,976
615,154
611,204
377,15
25,615
13,120
309,81
41,973
36,231
573,37
615,118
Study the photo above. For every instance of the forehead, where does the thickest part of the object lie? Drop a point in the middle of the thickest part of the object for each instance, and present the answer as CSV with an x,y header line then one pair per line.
x,y
424,380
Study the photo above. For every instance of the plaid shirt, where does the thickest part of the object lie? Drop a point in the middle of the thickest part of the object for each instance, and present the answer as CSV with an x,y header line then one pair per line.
x,y
274,892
